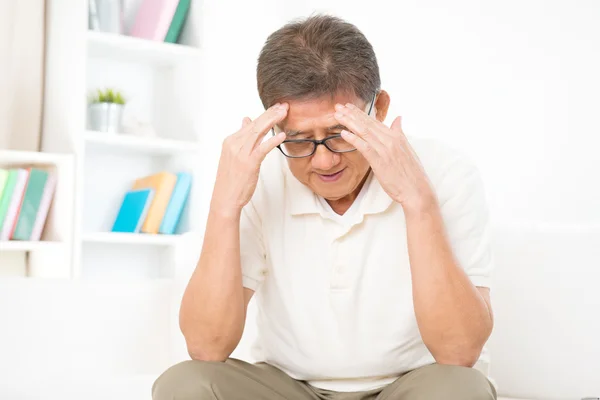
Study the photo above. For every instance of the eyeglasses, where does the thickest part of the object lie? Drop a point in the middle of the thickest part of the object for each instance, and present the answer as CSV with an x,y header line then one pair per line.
x,y
301,148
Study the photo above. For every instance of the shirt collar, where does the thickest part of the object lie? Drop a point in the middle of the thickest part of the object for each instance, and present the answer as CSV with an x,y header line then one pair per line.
x,y
301,200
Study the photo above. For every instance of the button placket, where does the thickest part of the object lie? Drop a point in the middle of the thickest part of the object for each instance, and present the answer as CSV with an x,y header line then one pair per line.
x,y
339,264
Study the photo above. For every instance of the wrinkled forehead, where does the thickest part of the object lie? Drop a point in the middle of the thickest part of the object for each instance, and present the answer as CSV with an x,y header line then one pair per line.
x,y
315,114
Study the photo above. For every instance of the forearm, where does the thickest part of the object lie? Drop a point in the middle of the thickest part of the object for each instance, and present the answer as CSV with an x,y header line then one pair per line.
x,y
213,309
453,317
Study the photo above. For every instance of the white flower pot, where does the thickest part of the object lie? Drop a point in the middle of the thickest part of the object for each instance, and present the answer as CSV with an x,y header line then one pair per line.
x,y
105,117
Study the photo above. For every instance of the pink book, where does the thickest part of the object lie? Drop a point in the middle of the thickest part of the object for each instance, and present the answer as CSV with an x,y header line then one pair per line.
x,y
40,218
153,19
15,205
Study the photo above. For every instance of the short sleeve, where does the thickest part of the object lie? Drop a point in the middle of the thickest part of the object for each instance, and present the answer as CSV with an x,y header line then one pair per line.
x,y
252,249
466,216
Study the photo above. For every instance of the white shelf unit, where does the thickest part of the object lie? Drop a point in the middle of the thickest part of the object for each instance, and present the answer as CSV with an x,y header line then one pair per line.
x,y
131,239
132,144
103,45
161,83
51,257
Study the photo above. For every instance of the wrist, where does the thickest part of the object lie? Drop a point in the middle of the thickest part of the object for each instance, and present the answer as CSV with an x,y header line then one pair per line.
x,y
422,207
225,212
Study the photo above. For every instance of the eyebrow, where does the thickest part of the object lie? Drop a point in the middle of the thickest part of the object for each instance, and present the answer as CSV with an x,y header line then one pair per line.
x,y
331,128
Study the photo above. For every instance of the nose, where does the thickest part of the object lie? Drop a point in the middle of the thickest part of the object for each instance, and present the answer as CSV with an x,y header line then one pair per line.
x,y
324,160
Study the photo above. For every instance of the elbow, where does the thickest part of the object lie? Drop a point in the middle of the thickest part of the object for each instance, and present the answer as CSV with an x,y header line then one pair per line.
x,y
213,350
202,346
202,354
461,361
462,357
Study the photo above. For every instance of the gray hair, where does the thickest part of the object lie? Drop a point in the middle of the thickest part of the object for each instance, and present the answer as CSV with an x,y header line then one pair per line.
x,y
317,56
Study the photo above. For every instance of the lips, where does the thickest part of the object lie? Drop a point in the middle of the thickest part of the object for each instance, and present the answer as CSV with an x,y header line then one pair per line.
x,y
331,177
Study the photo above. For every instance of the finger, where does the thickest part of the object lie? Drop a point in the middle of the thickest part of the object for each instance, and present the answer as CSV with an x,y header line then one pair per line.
x,y
361,145
359,126
397,124
246,121
268,145
376,125
258,128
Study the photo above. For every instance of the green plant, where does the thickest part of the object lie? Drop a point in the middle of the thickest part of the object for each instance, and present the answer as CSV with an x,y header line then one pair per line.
x,y
107,96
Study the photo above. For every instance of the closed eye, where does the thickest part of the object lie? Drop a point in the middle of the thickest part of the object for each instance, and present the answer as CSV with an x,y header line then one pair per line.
x,y
337,128
304,135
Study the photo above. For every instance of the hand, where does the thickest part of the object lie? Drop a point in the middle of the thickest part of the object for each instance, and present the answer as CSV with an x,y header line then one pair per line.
x,y
241,156
393,160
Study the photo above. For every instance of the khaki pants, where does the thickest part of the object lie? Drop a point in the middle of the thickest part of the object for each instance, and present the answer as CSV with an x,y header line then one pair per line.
x,y
238,380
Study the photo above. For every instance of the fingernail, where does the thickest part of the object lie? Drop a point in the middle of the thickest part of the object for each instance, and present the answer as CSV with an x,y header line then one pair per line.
x,y
338,115
339,107
276,106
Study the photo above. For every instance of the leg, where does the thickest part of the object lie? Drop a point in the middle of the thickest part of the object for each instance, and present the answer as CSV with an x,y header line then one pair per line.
x,y
230,380
438,381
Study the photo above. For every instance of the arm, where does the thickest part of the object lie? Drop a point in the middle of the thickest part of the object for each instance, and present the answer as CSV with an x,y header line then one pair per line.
x,y
213,308
454,317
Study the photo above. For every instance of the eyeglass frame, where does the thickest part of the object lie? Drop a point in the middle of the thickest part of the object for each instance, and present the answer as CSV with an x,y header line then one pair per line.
x,y
319,142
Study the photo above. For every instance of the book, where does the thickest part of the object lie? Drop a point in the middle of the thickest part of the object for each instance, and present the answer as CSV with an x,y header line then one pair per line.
x,y
163,184
178,21
133,211
153,19
30,204
6,196
14,205
42,214
176,204
3,179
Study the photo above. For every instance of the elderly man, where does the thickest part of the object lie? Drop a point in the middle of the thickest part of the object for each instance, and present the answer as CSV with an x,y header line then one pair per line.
x,y
368,255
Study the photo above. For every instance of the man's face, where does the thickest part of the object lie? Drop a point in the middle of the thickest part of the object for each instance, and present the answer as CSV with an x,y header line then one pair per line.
x,y
330,175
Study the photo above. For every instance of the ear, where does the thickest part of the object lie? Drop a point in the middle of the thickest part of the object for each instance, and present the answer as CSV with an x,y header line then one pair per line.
x,y
382,104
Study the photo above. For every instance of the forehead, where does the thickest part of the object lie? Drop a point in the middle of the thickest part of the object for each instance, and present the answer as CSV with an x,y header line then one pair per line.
x,y
315,113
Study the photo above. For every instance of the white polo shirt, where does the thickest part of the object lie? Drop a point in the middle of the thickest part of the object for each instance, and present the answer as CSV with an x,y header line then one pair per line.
x,y
333,292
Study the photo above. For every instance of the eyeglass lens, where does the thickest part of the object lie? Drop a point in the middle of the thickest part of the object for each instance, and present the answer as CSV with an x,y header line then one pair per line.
x,y
306,148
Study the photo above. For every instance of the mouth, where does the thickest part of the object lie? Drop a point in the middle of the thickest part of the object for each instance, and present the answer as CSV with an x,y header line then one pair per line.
x,y
331,177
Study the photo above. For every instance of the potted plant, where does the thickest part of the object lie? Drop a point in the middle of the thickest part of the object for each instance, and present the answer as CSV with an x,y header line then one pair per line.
x,y
106,111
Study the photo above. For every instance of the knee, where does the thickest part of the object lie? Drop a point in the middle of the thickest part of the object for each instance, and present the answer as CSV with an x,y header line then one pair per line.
x,y
453,382
188,380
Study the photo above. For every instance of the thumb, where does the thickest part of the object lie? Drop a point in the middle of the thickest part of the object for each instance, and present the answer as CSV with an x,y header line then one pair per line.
x,y
397,124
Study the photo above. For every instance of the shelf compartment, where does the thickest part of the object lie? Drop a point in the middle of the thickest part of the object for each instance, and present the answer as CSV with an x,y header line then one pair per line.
x,y
139,144
119,238
18,245
9,157
128,48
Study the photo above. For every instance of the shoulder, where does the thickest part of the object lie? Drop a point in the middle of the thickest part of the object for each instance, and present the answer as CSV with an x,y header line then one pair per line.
x,y
451,171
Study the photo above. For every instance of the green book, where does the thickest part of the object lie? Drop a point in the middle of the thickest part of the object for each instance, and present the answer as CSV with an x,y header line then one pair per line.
x,y
3,178
177,22
31,203
7,193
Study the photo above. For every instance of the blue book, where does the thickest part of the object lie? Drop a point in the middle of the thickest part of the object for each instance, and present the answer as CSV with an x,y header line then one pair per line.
x,y
133,211
176,203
